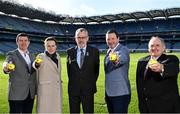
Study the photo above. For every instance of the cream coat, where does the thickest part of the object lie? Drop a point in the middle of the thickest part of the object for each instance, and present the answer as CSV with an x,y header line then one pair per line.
x,y
49,92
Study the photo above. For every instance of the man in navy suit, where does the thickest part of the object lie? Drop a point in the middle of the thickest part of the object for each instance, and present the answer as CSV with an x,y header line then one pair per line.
x,y
83,71
117,86
156,79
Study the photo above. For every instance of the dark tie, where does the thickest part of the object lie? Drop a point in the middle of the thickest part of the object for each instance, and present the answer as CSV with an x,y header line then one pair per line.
x,y
81,58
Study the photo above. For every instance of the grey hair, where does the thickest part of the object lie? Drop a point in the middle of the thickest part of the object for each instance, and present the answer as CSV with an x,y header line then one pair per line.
x,y
161,40
80,30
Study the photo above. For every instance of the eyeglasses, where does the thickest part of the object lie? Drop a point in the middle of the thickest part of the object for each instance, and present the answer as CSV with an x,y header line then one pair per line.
x,y
82,37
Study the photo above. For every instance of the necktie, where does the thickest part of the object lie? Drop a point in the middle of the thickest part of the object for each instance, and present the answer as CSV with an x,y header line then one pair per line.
x,y
28,61
81,58
24,54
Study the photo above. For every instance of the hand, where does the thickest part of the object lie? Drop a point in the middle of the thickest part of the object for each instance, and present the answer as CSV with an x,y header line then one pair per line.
x,y
38,62
156,67
114,57
8,67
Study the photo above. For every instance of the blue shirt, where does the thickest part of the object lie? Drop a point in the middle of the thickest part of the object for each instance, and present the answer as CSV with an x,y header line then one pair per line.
x,y
79,54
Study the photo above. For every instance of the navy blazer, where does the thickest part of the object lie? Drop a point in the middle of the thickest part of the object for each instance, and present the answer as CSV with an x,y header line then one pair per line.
x,y
82,81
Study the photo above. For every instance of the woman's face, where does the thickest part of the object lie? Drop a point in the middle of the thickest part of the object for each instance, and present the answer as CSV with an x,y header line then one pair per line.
x,y
50,46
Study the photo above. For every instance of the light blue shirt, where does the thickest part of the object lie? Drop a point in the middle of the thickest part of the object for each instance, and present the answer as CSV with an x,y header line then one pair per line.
x,y
79,54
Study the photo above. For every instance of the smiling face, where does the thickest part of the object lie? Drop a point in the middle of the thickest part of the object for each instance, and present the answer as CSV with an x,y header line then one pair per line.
x,y
156,47
112,40
23,43
50,46
81,38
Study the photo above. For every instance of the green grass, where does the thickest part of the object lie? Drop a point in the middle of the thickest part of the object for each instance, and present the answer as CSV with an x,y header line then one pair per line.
x,y
99,103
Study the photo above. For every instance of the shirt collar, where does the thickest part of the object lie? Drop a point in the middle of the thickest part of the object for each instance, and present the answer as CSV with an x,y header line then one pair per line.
x,y
112,50
156,58
27,52
84,48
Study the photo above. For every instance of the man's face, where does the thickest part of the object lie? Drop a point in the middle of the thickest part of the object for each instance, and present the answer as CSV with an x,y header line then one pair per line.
x,y
112,40
156,48
81,39
23,43
50,46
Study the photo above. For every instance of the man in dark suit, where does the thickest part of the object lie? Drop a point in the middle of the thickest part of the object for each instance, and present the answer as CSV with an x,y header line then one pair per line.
x,y
83,71
156,79
22,78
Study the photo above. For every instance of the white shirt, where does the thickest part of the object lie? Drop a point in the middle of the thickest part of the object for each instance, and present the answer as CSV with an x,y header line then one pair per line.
x,y
26,57
112,50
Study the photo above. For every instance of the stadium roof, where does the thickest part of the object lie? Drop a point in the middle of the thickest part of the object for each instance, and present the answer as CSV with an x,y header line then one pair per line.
x,y
11,8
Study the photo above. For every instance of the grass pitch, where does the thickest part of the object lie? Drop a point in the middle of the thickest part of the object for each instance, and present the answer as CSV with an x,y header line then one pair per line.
x,y
99,102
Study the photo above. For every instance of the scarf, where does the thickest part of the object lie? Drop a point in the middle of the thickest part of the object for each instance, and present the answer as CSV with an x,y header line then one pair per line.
x,y
53,57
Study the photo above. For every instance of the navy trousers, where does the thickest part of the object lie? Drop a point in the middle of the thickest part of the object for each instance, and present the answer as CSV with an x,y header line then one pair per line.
x,y
118,104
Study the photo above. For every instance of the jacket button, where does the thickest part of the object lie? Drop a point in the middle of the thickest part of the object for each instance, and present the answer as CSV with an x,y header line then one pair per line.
x,y
146,99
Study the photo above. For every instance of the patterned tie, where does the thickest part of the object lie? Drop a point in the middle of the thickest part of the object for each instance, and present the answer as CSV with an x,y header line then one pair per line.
x,y
81,58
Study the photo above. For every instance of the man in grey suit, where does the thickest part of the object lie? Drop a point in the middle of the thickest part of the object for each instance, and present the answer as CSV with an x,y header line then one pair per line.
x,y
116,66
22,78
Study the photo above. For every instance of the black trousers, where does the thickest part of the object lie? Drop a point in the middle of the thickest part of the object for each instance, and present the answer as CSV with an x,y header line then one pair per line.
x,y
160,105
21,106
87,103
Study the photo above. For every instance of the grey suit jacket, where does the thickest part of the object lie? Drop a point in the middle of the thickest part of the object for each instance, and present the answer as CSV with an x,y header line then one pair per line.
x,y
22,79
116,75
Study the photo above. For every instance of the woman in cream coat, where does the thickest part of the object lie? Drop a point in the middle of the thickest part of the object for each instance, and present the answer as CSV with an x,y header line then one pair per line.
x,y
48,66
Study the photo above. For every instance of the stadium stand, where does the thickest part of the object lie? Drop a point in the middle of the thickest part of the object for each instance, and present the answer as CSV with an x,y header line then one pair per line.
x,y
135,29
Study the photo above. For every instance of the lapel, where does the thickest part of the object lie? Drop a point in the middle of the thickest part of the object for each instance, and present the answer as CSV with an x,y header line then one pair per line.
x,y
118,47
86,55
74,56
22,59
106,59
51,61
161,58
144,70
31,58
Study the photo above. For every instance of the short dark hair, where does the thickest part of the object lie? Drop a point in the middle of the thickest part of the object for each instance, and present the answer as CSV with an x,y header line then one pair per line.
x,y
21,35
51,38
113,31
